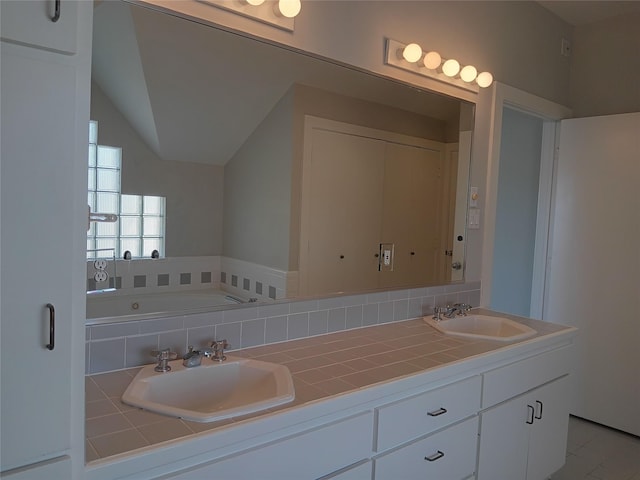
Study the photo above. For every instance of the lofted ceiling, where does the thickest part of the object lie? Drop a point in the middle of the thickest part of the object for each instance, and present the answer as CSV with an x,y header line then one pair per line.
x,y
195,93
576,12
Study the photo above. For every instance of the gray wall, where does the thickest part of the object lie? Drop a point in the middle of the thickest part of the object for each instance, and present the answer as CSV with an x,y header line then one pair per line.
x,y
515,234
194,191
257,192
605,67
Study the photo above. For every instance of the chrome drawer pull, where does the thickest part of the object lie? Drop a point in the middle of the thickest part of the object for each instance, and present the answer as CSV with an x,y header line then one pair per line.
x,y
435,456
530,410
56,15
435,413
52,326
538,415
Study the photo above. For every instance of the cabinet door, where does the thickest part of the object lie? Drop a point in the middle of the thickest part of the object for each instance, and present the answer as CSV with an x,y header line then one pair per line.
x,y
504,441
548,437
38,148
30,23
345,202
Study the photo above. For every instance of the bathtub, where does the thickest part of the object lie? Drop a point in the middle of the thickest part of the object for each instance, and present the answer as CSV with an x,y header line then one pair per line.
x,y
108,307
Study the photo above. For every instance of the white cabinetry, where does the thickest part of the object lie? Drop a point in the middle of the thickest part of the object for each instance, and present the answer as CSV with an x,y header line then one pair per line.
x,y
448,454
525,437
31,23
44,98
308,455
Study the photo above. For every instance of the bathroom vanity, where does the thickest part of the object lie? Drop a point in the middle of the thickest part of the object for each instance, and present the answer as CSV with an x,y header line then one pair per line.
x,y
421,405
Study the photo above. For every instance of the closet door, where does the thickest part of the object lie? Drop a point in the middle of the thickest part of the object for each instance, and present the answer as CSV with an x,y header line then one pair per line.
x,y
411,218
345,193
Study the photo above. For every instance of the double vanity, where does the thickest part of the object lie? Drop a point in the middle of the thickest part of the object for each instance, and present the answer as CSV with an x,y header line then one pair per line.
x,y
470,397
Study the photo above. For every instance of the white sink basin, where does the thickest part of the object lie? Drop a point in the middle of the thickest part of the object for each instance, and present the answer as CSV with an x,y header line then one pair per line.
x,y
212,391
482,327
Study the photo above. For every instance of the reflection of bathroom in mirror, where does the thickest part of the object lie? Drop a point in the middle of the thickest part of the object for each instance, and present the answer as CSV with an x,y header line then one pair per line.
x,y
285,175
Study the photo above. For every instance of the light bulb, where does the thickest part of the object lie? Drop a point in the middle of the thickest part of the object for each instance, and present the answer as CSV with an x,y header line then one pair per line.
x,y
468,73
289,8
432,60
255,3
412,52
484,79
451,68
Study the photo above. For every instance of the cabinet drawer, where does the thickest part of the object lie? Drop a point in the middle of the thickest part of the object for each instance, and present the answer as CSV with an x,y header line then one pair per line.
x,y
512,380
414,417
452,454
308,455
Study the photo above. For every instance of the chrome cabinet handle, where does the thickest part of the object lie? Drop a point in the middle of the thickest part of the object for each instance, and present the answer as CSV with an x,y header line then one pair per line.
x,y
56,15
456,265
539,414
437,412
530,410
432,458
52,326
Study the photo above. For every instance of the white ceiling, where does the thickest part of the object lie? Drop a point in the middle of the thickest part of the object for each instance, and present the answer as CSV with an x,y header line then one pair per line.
x,y
577,12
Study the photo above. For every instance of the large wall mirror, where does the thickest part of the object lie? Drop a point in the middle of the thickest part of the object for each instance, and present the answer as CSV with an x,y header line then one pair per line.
x,y
343,180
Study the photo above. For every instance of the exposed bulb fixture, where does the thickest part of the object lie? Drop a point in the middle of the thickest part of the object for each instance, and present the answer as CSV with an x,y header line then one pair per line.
x,y
484,79
289,8
451,67
468,73
255,3
432,60
412,53
412,58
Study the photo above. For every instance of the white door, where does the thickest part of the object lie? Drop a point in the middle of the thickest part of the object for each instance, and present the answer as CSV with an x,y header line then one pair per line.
x,y
594,277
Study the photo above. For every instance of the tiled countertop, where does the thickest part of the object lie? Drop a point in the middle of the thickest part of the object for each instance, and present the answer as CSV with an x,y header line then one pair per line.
x,y
321,366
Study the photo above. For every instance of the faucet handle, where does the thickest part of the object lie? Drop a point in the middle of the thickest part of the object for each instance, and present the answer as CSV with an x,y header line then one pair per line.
x,y
163,356
218,350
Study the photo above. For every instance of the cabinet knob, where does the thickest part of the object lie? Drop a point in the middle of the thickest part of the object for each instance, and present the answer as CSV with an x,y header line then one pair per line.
x,y
341,257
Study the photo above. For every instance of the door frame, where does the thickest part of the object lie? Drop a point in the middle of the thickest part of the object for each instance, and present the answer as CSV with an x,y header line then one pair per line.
x,y
551,113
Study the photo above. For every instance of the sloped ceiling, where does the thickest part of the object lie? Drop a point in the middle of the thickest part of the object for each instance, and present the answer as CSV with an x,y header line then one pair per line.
x,y
584,12
195,93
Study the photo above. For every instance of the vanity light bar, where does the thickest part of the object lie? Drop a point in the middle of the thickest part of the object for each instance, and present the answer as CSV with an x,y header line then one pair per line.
x,y
412,58
278,13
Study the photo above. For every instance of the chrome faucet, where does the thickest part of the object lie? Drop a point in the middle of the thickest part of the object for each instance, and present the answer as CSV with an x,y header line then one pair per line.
x,y
193,358
450,311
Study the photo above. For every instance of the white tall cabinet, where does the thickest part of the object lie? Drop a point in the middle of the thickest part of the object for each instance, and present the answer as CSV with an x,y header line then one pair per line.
x,y
45,90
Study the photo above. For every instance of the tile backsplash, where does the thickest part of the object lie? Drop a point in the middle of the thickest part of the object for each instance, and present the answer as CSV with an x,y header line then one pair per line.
x,y
116,346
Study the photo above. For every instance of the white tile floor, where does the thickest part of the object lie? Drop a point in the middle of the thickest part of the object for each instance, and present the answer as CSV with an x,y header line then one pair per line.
x,y
595,452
